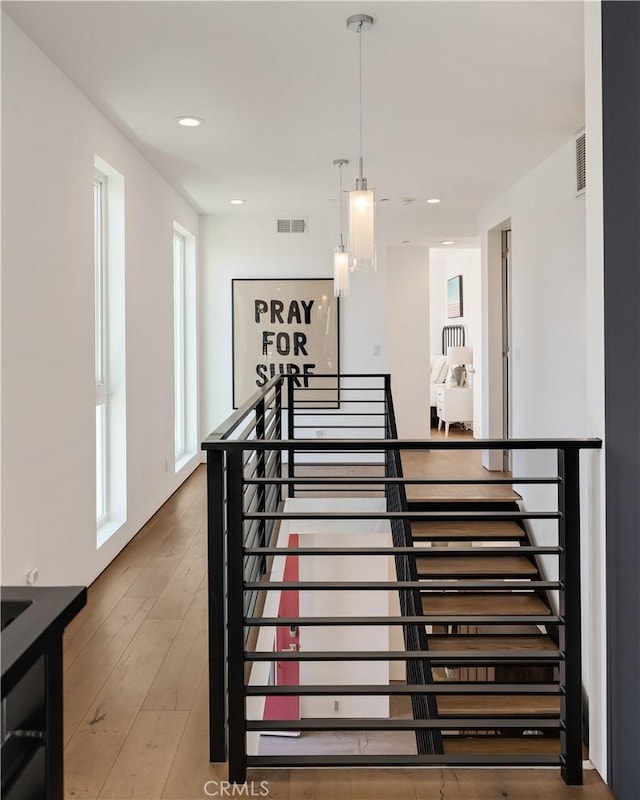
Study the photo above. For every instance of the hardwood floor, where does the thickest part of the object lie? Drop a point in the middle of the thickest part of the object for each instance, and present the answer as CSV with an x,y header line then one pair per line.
x,y
452,464
136,699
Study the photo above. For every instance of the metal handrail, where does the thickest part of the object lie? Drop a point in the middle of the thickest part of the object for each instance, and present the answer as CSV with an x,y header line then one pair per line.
x,y
366,445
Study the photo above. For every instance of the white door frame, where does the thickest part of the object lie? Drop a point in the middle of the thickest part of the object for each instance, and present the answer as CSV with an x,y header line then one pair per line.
x,y
492,360
507,364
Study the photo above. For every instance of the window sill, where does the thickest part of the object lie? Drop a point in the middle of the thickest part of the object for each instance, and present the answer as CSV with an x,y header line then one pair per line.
x,y
184,460
107,530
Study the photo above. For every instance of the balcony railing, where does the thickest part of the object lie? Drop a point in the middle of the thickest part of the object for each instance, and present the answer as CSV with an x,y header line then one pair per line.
x,y
306,438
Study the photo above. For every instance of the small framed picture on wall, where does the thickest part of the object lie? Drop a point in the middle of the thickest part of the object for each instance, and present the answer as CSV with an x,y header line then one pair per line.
x,y
454,297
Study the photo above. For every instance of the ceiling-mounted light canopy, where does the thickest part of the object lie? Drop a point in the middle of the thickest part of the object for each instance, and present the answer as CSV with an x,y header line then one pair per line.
x,y
362,198
340,257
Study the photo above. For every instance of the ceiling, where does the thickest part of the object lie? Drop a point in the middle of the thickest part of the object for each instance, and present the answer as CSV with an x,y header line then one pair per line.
x,y
459,98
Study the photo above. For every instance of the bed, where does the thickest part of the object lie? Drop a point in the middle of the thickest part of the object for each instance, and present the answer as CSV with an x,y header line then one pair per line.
x,y
452,336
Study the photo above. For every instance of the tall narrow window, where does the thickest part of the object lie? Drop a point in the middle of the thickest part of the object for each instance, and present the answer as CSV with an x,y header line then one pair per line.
x,y
110,367
185,356
179,346
99,261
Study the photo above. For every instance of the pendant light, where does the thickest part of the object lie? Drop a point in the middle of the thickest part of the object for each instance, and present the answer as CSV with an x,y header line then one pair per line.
x,y
340,257
362,198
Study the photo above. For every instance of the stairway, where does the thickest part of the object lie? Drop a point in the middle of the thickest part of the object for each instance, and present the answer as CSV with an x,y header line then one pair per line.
x,y
493,632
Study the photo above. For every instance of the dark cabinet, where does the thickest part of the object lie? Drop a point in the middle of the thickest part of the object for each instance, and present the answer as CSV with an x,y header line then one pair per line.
x,y
33,621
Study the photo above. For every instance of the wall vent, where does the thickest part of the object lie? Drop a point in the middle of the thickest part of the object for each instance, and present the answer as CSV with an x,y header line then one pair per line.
x,y
581,163
291,225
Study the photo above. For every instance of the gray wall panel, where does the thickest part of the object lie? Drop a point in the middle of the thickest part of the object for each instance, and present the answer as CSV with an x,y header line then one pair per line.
x,y
621,137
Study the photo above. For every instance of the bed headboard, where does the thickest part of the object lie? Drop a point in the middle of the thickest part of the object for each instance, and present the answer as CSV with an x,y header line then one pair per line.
x,y
452,336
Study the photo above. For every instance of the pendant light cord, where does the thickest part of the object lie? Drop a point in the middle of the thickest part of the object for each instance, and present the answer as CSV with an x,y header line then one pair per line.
x,y
341,239
360,97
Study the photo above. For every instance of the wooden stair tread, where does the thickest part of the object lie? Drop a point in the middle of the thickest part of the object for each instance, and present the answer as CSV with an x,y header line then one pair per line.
x,y
513,566
502,745
477,529
494,705
485,643
487,603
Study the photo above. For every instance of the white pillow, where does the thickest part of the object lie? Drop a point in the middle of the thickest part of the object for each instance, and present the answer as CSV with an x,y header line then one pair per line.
x,y
443,372
439,367
434,369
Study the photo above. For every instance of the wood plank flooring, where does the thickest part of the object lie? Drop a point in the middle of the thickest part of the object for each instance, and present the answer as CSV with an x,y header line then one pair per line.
x,y
136,694
452,464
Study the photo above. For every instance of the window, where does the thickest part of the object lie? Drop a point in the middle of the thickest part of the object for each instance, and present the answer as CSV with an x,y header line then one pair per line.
x,y
99,227
185,377
109,325
179,345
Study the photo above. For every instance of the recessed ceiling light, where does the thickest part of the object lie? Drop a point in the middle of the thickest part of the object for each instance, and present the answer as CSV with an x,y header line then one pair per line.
x,y
447,242
433,200
189,122
237,202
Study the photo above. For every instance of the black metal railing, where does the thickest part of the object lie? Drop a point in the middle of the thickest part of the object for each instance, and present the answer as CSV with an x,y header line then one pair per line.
x,y
256,460
419,672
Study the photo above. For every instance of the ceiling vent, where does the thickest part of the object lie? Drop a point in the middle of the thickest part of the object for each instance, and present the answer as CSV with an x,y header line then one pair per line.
x,y
286,225
581,163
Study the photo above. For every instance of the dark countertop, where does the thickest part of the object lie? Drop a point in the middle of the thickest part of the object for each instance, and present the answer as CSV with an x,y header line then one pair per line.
x,y
31,616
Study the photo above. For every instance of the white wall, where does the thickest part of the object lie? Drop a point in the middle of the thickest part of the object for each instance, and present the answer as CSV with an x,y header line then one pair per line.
x,y
354,533
408,338
556,369
549,357
50,136
445,263
243,246
437,299
315,638
548,314
593,483
392,315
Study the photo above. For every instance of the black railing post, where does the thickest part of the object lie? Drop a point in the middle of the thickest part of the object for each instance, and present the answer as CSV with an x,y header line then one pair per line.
x,y
290,433
54,710
277,434
260,473
415,636
235,635
215,561
570,611
388,400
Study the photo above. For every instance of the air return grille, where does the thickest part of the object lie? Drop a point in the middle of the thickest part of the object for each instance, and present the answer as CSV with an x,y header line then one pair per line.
x,y
291,225
581,163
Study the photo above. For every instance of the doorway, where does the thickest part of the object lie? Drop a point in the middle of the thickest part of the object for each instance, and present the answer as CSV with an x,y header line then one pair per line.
x,y
497,373
506,345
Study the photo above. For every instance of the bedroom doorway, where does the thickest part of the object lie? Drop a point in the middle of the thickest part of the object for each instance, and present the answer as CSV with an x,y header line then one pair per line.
x,y
506,346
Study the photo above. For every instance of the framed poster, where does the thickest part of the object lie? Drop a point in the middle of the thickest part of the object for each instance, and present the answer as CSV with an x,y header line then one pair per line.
x,y
454,297
288,326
